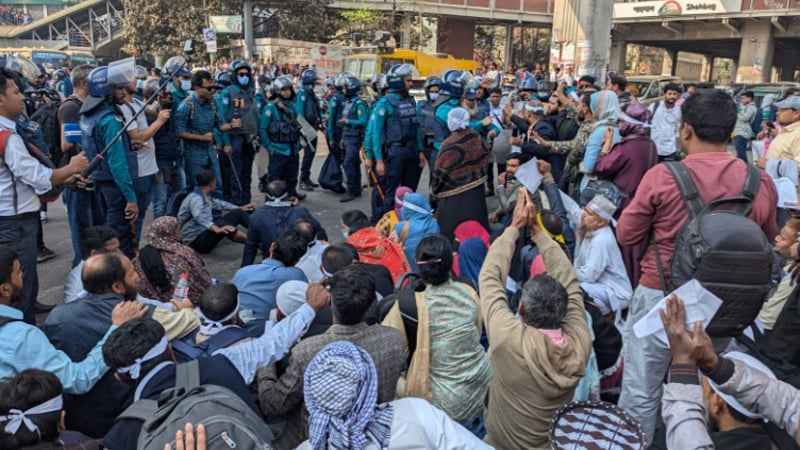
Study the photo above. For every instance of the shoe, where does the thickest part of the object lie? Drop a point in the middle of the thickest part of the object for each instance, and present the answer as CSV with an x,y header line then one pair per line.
x,y
307,185
45,254
43,216
41,308
299,196
348,198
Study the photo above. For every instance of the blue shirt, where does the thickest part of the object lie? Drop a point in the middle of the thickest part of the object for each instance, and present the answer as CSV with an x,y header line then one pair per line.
x,y
267,223
258,284
196,117
23,346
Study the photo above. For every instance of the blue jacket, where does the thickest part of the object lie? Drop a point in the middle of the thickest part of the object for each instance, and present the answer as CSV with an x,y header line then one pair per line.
x,y
267,223
273,118
258,284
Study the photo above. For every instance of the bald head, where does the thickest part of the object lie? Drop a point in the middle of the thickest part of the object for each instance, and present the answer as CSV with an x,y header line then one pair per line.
x,y
108,273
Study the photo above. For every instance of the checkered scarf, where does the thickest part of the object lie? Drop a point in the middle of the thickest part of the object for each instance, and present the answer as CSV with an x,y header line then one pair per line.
x,y
341,395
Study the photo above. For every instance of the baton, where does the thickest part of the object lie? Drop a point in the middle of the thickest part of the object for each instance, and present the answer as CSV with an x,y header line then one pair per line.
x,y
234,170
372,175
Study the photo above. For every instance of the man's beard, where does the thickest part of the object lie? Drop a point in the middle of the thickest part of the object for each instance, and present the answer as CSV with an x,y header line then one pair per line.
x,y
16,298
130,293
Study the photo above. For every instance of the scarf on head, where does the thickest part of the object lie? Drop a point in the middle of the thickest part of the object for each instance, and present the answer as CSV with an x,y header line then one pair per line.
x,y
420,221
605,109
635,122
399,195
471,254
471,229
341,395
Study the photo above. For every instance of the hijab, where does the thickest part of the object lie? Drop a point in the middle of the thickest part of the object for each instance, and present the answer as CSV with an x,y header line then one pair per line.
x,y
471,254
399,194
605,109
420,221
635,121
471,229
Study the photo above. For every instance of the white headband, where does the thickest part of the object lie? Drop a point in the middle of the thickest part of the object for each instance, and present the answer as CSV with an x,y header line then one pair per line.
x,y
211,327
416,208
16,418
135,368
277,201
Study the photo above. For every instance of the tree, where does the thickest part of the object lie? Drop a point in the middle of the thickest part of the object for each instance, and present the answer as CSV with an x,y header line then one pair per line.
x,y
303,20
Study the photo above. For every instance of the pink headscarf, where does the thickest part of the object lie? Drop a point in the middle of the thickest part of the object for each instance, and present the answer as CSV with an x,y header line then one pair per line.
x,y
471,229
399,193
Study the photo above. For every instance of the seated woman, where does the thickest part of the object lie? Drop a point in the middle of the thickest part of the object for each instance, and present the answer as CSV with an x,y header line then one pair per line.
x,y
419,222
164,259
372,247
390,219
32,414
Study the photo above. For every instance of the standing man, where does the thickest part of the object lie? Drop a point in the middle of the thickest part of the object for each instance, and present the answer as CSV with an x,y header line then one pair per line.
x,y
427,114
666,119
280,134
743,131
308,106
171,177
786,144
240,117
181,85
354,120
333,133
101,121
22,179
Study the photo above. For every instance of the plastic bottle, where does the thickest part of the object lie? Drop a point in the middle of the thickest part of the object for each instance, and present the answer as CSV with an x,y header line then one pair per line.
x,y
181,291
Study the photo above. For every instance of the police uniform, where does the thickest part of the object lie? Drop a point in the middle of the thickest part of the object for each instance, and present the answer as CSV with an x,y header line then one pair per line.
x,y
280,134
355,115
239,102
333,131
308,106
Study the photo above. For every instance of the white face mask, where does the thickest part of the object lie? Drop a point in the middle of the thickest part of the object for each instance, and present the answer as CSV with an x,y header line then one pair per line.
x,y
433,96
345,235
186,85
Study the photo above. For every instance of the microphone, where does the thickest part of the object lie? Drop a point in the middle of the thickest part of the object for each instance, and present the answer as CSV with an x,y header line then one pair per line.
x,y
72,133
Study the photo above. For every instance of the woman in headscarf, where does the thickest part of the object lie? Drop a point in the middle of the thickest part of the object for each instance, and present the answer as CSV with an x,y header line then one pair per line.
x,y
605,110
469,259
459,174
340,389
393,217
419,222
164,259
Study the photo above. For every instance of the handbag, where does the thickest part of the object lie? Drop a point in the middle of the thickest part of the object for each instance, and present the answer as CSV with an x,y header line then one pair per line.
x,y
605,188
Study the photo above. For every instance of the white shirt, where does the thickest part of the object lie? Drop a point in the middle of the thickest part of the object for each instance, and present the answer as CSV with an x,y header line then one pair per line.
x,y
73,290
146,155
416,424
30,177
311,262
601,272
664,128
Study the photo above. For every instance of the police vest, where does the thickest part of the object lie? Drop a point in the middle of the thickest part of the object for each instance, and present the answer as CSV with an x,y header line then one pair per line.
x,y
93,143
336,113
402,124
283,128
240,103
428,114
311,110
350,111
440,130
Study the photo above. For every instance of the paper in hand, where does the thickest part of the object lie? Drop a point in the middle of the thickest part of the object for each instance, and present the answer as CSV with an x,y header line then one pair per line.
x,y
528,175
787,193
700,304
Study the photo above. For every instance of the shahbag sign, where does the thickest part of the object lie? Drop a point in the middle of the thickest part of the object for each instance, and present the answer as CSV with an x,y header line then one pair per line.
x,y
674,8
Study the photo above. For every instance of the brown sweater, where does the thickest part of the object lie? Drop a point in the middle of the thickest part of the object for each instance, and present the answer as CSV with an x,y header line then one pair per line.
x,y
532,376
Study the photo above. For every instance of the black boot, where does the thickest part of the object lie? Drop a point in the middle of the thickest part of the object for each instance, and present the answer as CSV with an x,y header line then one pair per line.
x,y
349,197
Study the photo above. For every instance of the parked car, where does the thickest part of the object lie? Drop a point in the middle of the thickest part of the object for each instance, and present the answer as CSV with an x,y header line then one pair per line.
x,y
651,87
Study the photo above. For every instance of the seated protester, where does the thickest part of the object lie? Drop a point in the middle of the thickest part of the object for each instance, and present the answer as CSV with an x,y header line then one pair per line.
x,y
506,191
164,260
373,247
448,364
537,358
345,254
94,240
23,346
393,217
605,111
32,413
206,220
141,357
337,398
740,392
311,262
777,300
598,262
352,294
470,255
74,328
278,214
535,124
258,283
289,298
418,222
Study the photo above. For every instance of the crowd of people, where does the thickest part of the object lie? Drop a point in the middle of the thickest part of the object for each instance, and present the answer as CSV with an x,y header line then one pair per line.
x,y
14,16
580,270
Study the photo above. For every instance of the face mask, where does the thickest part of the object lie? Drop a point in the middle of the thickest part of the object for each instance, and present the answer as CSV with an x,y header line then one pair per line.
x,y
345,234
433,96
244,80
186,85
139,85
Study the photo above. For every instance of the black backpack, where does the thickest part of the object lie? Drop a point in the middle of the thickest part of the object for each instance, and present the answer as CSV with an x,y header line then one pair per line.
x,y
724,250
405,297
47,118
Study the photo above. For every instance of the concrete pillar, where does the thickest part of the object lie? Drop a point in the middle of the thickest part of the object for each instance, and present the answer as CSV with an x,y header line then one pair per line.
x,y
405,31
509,43
587,23
707,68
456,37
618,55
673,62
755,55
247,24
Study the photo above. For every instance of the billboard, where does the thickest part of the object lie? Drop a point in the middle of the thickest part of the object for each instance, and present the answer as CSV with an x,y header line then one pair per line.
x,y
674,8
226,24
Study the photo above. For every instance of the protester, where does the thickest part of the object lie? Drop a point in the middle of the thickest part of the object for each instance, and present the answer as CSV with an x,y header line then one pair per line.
x,y
94,240
311,262
373,247
666,121
605,111
786,144
337,257
389,220
743,131
784,241
418,222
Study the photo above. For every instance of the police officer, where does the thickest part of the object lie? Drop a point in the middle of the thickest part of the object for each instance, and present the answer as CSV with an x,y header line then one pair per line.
x,y
427,113
454,86
379,90
395,135
180,85
63,82
354,121
140,73
280,134
308,106
264,93
333,128
101,121
238,112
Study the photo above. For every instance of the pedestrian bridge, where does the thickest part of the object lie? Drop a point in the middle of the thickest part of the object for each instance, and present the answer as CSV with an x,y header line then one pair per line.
x,y
519,11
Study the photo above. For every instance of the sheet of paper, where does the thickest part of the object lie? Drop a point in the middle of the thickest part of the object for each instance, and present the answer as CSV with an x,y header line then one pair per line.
x,y
787,193
700,304
782,168
759,149
528,175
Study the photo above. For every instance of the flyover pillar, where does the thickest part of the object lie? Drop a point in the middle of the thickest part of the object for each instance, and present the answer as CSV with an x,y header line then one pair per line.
x,y
585,26
619,52
755,55
455,37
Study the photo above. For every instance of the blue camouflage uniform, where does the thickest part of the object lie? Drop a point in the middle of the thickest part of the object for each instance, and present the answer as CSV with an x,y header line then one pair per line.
x,y
280,135
308,106
355,116
193,116
237,102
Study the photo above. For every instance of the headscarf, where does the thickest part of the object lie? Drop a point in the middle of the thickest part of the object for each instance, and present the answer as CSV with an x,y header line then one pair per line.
x,y
471,229
419,217
458,119
399,195
605,108
635,121
375,248
341,395
471,254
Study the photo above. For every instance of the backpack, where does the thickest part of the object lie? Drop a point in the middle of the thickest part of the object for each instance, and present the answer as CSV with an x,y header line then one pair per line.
x,y
49,196
230,423
47,118
724,250
187,349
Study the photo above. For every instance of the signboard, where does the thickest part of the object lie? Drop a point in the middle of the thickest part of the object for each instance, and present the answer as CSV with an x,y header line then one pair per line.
x,y
226,24
674,8
327,59
210,38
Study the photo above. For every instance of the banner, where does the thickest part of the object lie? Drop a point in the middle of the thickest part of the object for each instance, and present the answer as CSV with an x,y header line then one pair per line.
x,y
674,8
226,24
210,38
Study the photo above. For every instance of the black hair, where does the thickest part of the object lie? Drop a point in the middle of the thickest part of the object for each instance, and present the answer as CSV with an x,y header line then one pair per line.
x,y
100,276
205,178
199,77
80,74
552,222
748,94
7,257
5,76
95,238
712,115
336,258
352,249
618,80
276,188
544,300
434,259
218,301
289,248
306,230
675,87
132,340
355,220
352,294
28,389
588,79
496,91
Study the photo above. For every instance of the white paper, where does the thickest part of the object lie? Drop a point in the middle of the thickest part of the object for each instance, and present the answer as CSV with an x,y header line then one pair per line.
x,y
759,149
700,304
787,193
528,175
782,168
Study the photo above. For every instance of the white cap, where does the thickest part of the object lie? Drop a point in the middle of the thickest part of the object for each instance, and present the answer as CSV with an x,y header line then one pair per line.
x,y
291,296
